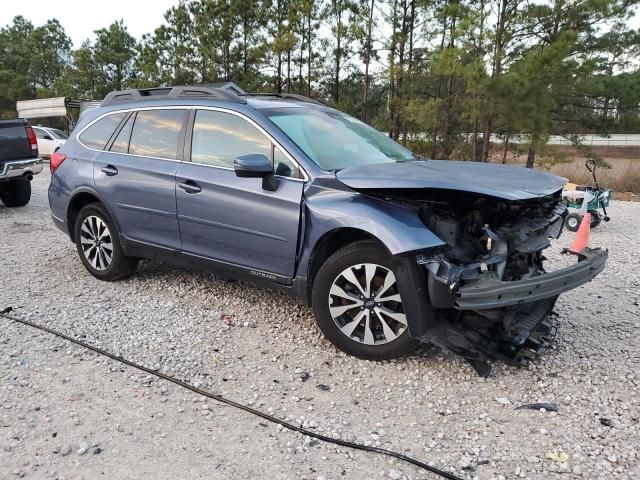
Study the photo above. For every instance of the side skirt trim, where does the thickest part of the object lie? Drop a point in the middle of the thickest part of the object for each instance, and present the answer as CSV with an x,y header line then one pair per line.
x,y
135,248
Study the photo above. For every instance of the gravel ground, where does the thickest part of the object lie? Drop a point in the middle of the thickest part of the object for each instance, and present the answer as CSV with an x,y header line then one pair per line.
x,y
67,413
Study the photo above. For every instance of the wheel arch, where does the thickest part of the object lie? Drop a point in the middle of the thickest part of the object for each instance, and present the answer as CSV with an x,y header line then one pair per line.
x,y
80,199
330,243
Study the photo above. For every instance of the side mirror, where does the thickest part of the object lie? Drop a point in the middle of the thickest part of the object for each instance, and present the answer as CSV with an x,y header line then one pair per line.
x,y
256,166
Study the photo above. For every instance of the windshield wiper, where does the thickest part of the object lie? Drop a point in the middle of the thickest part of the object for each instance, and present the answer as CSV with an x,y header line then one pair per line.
x,y
416,158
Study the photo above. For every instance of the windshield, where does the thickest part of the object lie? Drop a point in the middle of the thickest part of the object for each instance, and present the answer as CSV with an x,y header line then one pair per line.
x,y
334,140
59,134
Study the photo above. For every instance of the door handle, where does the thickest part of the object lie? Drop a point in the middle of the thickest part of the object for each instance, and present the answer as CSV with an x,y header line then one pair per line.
x,y
109,170
189,186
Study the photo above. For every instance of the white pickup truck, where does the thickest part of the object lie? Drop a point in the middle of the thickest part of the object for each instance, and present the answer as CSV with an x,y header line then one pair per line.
x,y
19,161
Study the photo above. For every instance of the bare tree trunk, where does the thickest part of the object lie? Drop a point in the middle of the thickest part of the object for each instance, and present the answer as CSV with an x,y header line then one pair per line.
x,y
365,97
309,52
496,71
288,71
411,26
480,54
392,68
245,53
607,99
434,144
301,58
505,150
450,102
531,156
401,72
227,62
337,8
338,55
279,74
486,137
474,145
438,129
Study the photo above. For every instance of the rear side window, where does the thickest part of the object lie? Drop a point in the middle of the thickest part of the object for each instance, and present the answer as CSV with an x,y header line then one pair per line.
x,y
219,138
156,132
121,143
98,134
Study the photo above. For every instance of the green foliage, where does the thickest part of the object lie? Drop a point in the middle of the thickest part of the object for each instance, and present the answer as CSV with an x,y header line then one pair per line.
x,y
31,60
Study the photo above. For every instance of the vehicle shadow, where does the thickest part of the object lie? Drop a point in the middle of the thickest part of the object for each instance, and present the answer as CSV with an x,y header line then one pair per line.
x,y
204,285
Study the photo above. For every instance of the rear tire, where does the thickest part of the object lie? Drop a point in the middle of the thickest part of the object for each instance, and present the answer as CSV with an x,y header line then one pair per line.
x,y
98,244
16,192
363,321
595,218
573,221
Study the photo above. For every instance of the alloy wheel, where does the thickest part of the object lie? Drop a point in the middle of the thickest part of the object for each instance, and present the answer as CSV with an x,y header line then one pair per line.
x,y
365,304
95,240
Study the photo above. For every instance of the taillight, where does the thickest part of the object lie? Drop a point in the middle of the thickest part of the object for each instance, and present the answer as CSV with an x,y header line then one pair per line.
x,y
33,141
56,160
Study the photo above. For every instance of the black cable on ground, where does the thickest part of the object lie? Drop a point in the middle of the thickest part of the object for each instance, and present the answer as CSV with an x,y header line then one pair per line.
x,y
5,314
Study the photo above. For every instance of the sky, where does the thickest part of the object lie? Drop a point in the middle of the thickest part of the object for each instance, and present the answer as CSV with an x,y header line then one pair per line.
x,y
80,18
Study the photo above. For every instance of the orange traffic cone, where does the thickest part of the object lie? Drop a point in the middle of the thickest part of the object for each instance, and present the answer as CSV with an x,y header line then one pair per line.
x,y
581,240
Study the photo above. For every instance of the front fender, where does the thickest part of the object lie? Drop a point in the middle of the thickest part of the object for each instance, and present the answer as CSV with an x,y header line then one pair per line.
x,y
399,229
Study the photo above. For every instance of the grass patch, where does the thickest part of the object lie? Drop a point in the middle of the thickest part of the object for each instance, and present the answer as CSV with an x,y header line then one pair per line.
x,y
622,173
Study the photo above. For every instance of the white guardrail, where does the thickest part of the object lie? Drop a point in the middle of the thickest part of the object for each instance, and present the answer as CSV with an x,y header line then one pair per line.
x,y
614,140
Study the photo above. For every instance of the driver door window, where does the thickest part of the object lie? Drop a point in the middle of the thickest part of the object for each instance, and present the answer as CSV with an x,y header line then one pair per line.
x,y
219,138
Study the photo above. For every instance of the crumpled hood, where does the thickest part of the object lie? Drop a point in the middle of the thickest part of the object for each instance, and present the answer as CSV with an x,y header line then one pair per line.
x,y
502,181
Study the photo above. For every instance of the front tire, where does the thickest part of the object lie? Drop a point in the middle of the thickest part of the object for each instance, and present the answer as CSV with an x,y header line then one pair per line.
x,y
98,245
16,193
357,304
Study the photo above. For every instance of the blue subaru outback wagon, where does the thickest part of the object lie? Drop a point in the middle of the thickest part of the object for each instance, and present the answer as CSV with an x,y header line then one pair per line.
x,y
387,248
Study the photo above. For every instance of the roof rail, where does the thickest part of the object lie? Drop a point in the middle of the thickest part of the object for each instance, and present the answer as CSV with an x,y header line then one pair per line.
x,y
292,96
161,93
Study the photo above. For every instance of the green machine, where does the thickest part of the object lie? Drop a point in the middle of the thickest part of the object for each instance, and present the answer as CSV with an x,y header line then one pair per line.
x,y
587,198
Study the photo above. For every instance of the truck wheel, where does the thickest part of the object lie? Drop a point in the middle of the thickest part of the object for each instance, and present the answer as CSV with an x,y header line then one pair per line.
x,y
357,304
573,221
16,192
98,245
595,218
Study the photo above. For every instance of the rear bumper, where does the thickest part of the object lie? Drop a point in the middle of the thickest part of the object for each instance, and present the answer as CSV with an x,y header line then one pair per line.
x,y
486,293
18,168
61,224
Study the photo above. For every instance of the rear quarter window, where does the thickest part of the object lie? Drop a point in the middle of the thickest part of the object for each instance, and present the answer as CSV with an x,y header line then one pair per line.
x,y
99,133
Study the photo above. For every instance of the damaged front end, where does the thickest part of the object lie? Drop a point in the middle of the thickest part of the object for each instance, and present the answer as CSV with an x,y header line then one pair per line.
x,y
487,294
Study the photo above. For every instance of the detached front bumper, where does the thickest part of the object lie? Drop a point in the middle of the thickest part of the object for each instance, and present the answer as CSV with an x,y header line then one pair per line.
x,y
471,312
488,292
494,293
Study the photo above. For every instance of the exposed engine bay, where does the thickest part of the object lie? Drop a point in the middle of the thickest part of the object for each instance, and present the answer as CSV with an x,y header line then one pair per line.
x,y
488,292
